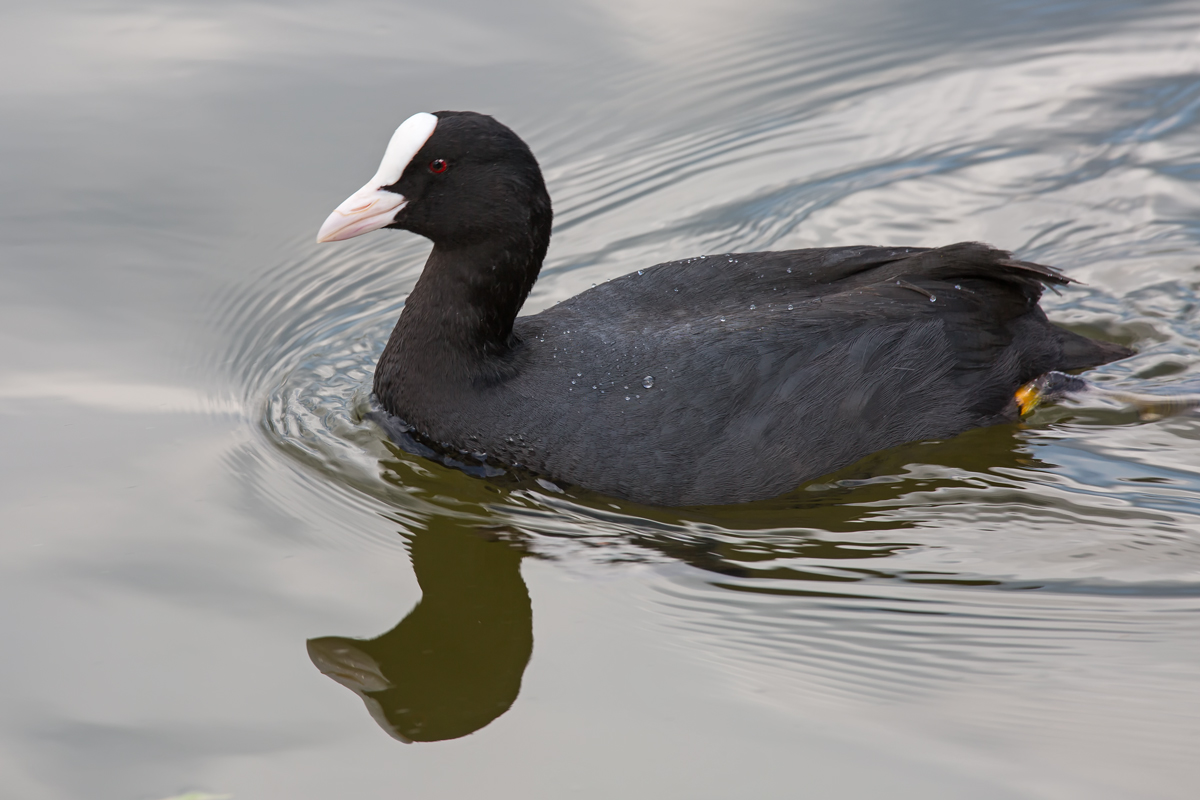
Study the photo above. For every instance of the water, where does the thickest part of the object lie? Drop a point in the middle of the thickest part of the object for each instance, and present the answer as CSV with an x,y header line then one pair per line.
x,y
203,539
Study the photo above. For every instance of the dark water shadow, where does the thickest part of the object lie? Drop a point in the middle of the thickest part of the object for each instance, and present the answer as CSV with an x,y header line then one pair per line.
x,y
820,517
455,662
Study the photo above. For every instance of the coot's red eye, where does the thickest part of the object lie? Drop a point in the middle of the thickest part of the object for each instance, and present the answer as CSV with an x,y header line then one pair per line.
x,y
438,165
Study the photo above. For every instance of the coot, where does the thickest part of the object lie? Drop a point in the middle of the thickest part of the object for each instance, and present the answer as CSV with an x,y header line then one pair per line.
x,y
716,379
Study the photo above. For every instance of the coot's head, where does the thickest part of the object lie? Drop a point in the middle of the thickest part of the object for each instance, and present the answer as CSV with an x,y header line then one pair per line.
x,y
455,177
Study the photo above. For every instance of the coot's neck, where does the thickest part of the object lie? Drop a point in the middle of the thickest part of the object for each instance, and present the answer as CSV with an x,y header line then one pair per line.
x,y
456,326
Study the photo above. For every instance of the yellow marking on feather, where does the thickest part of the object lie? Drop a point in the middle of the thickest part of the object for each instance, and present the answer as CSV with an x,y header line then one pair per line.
x,y
1028,397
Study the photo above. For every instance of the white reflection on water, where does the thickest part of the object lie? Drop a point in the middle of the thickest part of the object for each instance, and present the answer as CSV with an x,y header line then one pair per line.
x,y
72,50
90,391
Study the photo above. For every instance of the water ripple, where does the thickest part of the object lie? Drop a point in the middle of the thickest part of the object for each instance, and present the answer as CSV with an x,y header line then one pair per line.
x,y
995,558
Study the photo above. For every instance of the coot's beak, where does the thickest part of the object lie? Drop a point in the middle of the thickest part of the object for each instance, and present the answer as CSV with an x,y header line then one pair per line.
x,y
374,206
366,210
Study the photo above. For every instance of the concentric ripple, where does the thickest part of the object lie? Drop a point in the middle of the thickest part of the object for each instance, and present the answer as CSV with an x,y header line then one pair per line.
x,y
1000,556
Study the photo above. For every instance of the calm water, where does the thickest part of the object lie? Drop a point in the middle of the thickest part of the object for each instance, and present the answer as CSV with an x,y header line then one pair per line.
x,y
202,541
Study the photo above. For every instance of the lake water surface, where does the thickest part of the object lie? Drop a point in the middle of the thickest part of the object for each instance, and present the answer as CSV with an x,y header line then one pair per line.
x,y
215,578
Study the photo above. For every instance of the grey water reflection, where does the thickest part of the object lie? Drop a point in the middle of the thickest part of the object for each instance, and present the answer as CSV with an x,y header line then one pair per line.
x,y
454,663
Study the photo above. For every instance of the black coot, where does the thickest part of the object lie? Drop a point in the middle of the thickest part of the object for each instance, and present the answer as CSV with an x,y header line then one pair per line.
x,y
717,379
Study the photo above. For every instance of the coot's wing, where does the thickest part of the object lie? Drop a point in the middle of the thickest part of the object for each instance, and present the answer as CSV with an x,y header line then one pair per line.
x,y
753,394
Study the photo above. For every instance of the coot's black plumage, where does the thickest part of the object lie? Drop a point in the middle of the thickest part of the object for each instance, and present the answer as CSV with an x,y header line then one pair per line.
x,y
717,379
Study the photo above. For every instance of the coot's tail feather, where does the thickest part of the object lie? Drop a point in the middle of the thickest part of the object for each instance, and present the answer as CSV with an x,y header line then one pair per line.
x,y
973,260
978,260
1080,352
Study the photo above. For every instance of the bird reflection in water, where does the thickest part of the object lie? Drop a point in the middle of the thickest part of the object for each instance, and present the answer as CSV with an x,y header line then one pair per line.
x,y
455,662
